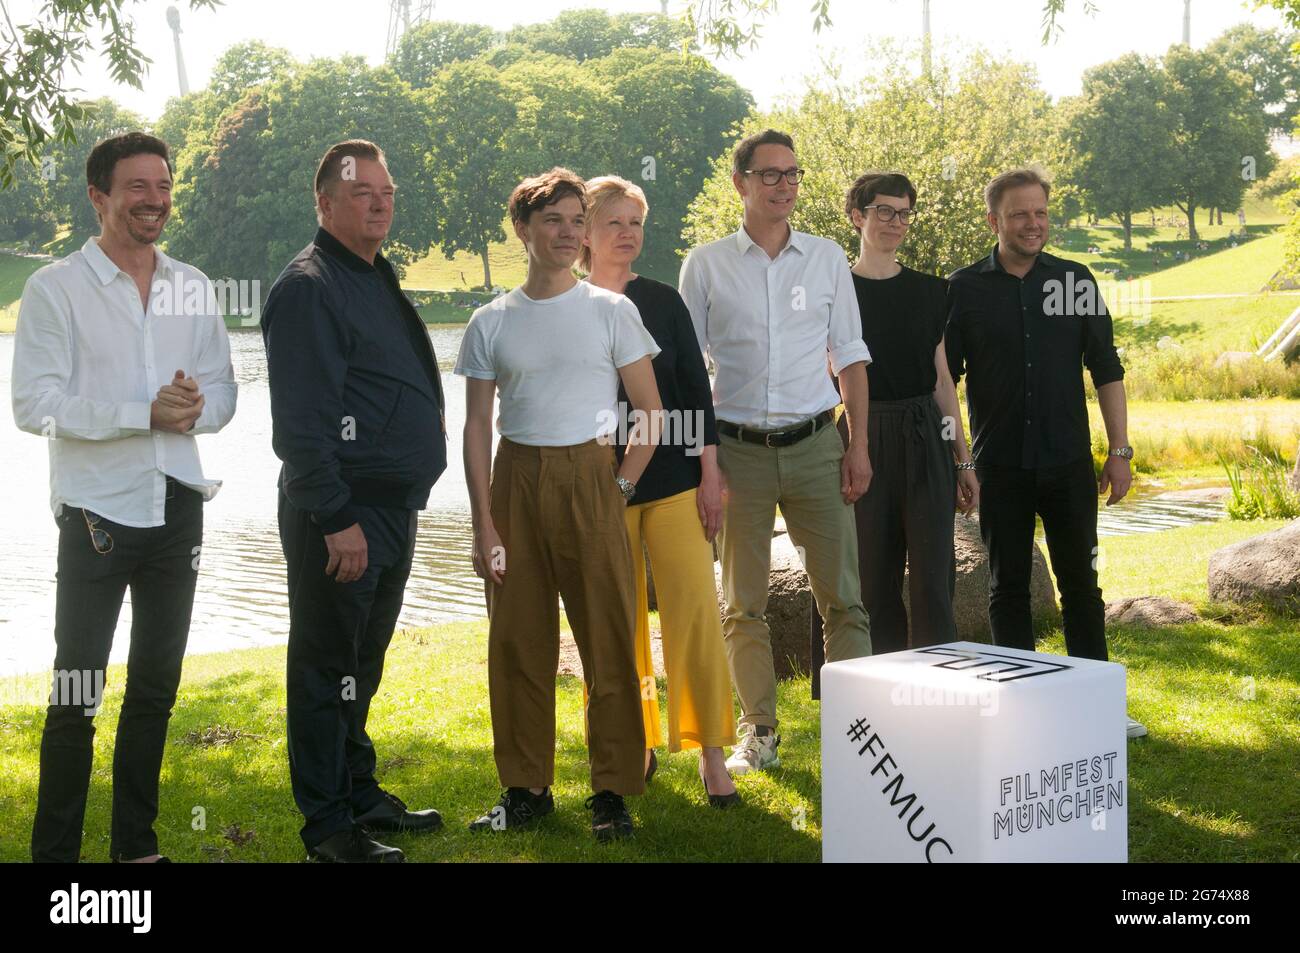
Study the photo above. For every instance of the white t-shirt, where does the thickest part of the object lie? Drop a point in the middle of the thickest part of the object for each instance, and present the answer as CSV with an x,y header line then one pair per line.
x,y
555,361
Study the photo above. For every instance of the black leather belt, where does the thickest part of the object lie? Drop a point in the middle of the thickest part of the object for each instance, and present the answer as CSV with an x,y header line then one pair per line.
x,y
777,438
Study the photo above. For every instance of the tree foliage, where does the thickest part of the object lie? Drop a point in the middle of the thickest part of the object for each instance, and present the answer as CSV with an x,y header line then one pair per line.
x,y
36,104
949,135
1119,139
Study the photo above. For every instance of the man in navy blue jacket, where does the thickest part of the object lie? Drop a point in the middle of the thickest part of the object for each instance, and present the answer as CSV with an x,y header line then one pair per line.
x,y
358,422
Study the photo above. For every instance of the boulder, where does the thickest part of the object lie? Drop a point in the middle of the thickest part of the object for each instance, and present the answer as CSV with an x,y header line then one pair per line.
x,y
1151,611
1263,569
1231,358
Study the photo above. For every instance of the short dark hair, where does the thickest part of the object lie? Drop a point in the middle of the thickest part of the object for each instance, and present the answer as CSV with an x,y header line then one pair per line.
x,y
108,153
870,184
1027,175
330,169
745,148
546,189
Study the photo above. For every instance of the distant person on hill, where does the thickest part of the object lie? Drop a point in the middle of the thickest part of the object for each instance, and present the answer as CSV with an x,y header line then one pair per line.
x,y
357,413
1021,325
120,359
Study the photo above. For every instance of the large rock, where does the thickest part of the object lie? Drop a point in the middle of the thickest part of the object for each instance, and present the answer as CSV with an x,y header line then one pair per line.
x,y
1263,569
1295,474
1151,611
790,600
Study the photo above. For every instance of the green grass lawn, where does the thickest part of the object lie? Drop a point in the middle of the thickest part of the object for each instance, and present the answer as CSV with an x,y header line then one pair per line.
x,y
14,272
1181,440
1216,780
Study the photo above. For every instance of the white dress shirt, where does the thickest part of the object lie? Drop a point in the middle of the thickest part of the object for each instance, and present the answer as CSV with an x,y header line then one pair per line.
x,y
767,324
89,359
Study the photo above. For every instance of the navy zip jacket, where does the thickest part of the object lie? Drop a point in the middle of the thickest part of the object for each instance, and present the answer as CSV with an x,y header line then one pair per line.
x,y
357,409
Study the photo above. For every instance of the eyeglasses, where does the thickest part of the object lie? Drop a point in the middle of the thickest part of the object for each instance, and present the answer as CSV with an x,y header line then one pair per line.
x,y
99,538
886,213
773,176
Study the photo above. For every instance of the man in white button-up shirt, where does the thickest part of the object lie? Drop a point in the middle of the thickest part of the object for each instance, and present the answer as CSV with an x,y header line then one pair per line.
x,y
120,358
772,308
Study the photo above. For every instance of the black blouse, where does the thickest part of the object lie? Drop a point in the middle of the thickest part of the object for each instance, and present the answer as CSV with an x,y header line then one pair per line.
x,y
684,390
903,319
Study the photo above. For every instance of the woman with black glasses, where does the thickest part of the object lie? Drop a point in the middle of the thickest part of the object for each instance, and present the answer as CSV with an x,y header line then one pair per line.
x,y
919,457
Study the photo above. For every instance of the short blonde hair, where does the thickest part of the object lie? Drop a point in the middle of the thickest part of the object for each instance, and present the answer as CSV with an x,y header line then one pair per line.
x,y
1027,175
601,192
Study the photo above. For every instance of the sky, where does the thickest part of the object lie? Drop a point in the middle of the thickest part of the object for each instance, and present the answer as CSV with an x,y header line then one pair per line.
x,y
788,51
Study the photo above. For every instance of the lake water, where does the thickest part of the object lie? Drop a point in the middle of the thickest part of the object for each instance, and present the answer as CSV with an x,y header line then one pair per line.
x,y
241,599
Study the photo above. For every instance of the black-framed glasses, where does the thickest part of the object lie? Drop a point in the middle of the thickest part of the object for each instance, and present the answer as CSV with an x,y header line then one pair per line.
x,y
886,213
99,538
773,176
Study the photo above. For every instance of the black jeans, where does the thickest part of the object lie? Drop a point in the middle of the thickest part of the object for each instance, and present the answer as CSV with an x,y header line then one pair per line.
x,y
1066,498
338,634
160,564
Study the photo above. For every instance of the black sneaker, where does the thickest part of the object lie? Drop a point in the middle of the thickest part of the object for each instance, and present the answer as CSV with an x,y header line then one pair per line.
x,y
518,807
609,816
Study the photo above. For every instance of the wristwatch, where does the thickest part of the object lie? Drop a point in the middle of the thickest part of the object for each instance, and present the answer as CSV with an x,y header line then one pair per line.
x,y
626,487
1125,452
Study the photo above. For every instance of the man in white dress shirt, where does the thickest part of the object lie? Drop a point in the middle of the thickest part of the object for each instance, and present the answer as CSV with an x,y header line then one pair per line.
x,y
772,307
121,357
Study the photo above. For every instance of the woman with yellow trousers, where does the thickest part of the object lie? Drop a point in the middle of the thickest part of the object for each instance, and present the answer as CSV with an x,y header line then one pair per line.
x,y
677,507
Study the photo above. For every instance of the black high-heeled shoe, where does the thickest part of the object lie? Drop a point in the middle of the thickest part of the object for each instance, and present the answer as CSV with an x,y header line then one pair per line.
x,y
654,766
720,801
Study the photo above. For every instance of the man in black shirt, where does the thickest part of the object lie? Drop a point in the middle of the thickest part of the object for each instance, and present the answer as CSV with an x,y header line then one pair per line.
x,y
1022,324
357,416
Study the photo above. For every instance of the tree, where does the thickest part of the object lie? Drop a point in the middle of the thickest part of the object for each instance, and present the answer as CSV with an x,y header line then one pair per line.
x,y
433,46
189,122
676,113
1119,139
470,167
588,34
727,25
1220,135
246,206
36,105
246,65
26,216
1268,57
950,135
564,118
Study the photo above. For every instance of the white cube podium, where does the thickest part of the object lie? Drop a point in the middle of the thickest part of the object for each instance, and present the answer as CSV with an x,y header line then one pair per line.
x,y
966,752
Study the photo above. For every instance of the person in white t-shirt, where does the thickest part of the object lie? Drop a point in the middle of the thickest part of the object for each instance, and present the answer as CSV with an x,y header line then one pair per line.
x,y
551,521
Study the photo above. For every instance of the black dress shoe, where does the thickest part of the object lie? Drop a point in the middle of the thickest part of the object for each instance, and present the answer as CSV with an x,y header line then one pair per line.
x,y
353,846
720,801
392,817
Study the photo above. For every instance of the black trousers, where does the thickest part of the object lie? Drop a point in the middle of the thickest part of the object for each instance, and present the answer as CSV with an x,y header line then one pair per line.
x,y
1066,498
338,634
904,521
160,564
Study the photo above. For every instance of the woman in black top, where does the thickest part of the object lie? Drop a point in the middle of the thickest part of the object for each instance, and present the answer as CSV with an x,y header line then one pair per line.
x,y
677,507
914,429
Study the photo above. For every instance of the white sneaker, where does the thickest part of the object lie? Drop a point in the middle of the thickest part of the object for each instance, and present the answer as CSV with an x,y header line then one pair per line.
x,y
1136,729
754,753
